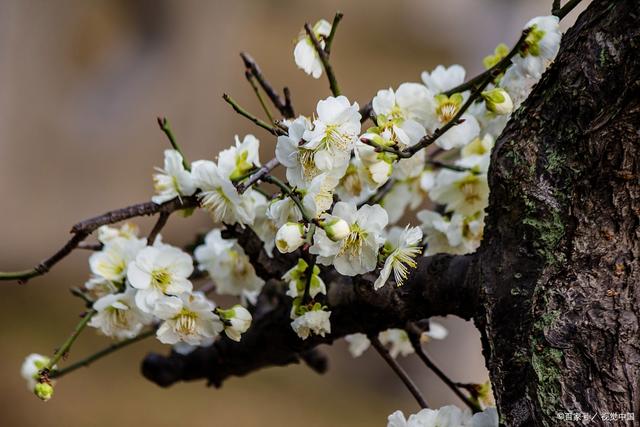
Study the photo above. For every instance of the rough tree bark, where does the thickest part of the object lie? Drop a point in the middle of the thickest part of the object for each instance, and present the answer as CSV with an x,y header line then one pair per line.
x,y
555,287
559,266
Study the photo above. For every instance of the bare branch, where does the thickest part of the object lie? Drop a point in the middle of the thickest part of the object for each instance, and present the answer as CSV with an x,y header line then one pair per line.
x,y
238,109
160,223
82,229
283,106
414,337
401,373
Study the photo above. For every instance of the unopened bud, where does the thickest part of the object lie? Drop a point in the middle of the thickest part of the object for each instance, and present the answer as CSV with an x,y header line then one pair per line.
x,y
44,391
498,101
290,237
336,229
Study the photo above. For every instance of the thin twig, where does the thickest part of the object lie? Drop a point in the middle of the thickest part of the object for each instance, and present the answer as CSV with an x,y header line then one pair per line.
x,y
66,346
291,194
258,175
415,342
238,109
45,266
398,370
160,223
324,58
250,78
555,7
288,105
334,26
90,246
380,193
366,112
82,229
100,354
283,106
164,126
443,165
564,10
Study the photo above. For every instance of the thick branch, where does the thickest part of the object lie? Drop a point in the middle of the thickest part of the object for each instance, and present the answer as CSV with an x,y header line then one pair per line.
x,y
437,287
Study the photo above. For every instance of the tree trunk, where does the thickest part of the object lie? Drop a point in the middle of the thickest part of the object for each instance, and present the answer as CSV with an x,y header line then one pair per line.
x,y
559,268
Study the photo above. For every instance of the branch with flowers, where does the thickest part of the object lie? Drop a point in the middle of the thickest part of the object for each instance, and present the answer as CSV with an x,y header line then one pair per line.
x,y
322,257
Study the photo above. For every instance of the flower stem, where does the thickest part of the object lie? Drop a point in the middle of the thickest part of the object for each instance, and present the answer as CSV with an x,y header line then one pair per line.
x,y
256,90
66,346
238,109
100,354
164,126
415,342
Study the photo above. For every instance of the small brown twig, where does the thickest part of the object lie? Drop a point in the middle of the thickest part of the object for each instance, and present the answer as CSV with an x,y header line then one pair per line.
x,y
160,223
324,58
283,106
401,373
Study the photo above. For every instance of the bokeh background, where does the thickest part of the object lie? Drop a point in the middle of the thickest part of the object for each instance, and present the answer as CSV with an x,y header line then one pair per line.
x,y
81,83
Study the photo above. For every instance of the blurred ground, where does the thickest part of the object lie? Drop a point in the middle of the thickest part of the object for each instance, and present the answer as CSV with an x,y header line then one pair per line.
x,y
80,86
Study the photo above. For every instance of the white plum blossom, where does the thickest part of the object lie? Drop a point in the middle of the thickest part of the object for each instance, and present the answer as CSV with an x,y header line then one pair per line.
x,y
305,54
128,231
97,287
400,249
317,195
455,235
436,331
236,321
334,132
188,318
312,321
298,160
461,134
263,226
112,261
227,264
31,368
336,228
443,79
462,192
400,112
239,159
376,168
541,45
118,316
172,181
498,101
298,276
398,342
447,416
290,237
358,344
219,196
157,273
518,84
358,252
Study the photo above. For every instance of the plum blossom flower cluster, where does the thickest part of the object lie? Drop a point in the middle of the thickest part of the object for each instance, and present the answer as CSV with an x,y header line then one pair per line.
x,y
135,285
365,192
447,416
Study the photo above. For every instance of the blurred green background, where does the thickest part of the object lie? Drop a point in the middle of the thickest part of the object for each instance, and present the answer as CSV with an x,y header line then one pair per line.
x,y
81,83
